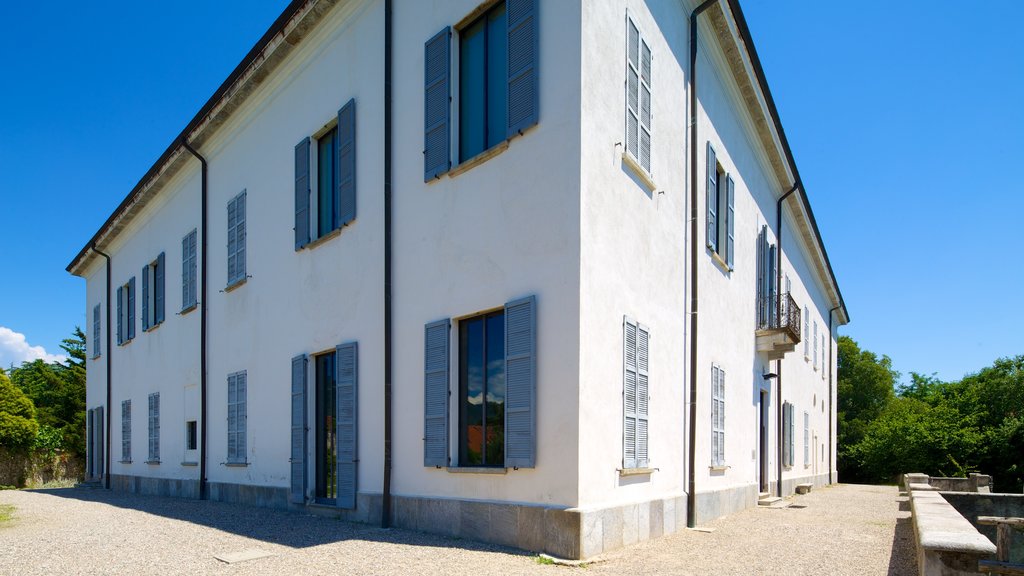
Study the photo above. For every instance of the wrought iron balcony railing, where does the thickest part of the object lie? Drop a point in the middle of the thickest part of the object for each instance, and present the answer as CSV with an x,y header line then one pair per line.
x,y
779,312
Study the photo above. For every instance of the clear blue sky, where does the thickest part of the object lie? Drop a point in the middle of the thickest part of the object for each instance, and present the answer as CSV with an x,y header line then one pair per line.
x,y
906,120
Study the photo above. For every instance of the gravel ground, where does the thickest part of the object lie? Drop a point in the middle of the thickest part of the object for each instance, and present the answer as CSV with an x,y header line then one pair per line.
x,y
844,530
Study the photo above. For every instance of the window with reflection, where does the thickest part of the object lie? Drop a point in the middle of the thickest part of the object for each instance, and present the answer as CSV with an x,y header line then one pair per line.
x,y
482,390
326,430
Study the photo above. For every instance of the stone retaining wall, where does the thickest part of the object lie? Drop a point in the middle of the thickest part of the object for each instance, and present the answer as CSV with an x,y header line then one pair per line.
x,y
27,470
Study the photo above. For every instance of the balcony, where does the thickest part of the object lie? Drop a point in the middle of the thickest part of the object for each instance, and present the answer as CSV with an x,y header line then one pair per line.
x,y
778,325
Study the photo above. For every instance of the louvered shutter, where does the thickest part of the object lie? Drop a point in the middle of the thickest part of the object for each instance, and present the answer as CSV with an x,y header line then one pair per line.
x,y
437,106
642,394
241,424
632,89
100,435
730,218
807,438
761,257
120,306
435,393
232,417
520,382
773,301
158,289
240,238
301,193
815,345
785,434
131,308
96,331
629,394
717,416
126,430
712,199
523,53
645,106
145,297
347,379
232,239
298,440
347,163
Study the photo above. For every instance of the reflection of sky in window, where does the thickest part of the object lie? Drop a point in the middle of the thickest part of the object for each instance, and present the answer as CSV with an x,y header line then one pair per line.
x,y
495,384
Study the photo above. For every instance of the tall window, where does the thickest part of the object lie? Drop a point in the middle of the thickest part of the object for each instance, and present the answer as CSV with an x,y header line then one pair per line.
x,y
326,429
126,312
154,428
327,182
236,417
191,435
638,97
717,416
482,390
787,434
815,344
807,334
635,388
96,331
807,439
189,297
126,431
153,293
483,79
721,211
236,239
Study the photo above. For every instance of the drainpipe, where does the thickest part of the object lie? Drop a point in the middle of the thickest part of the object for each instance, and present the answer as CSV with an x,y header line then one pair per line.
x,y
202,324
110,354
385,519
778,312
691,490
830,347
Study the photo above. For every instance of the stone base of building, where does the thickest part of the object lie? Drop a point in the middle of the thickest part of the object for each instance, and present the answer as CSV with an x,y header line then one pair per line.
x,y
718,503
789,484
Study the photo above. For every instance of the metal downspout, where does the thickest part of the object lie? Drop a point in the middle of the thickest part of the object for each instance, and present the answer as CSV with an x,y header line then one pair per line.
x,y
202,324
778,313
385,519
830,350
691,490
110,354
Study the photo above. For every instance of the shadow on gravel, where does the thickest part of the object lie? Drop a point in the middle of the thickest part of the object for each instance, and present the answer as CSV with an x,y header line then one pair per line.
x,y
903,559
286,528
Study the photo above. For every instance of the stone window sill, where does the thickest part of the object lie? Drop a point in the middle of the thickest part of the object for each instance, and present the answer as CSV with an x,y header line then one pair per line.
x,y
476,470
188,309
639,171
719,468
236,284
636,471
190,463
478,159
236,464
124,461
718,261
323,239
153,462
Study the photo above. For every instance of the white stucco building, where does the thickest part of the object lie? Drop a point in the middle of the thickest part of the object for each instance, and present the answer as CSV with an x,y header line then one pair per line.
x,y
514,271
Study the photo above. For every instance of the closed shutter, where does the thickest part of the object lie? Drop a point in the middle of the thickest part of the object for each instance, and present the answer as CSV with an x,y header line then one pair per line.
x,y
90,445
158,289
302,193
298,440
96,331
437,106
815,344
131,309
712,199
718,416
807,333
730,218
761,257
773,301
100,435
145,297
520,382
645,106
435,393
807,439
629,394
632,89
188,270
523,53
237,401
347,163
642,394
120,307
126,430
347,382
154,427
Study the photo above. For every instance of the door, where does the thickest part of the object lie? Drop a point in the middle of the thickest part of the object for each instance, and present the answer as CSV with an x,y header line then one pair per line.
x,y
762,452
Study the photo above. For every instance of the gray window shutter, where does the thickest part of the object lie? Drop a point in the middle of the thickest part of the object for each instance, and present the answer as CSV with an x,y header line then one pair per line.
x,y
523,98
717,416
629,394
131,308
730,219
120,305
785,434
347,163
712,199
301,193
435,393
761,257
96,331
145,297
645,106
298,448
158,289
807,438
100,433
437,106
241,424
642,394
773,302
240,238
792,436
188,270
232,417
347,382
126,430
632,88
520,381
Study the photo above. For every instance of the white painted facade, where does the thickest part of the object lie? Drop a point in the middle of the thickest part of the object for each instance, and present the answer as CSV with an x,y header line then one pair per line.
x,y
555,213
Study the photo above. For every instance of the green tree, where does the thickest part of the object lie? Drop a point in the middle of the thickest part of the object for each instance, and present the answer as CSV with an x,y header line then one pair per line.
x,y
865,387
18,426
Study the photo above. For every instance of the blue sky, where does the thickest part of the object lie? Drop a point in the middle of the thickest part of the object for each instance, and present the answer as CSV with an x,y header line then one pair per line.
x,y
905,119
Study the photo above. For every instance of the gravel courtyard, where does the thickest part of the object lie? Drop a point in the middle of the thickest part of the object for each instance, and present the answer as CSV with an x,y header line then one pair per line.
x,y
842,530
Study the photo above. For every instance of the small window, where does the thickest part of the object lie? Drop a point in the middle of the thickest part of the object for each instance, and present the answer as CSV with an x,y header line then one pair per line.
x,y
236,239
635,394
638,96
807,334
482,390
191,437
153,293
787,434
327,182
815,345
717,416
126,431
483,75
154,428
807,439
189,296
126,312
96,331
237,396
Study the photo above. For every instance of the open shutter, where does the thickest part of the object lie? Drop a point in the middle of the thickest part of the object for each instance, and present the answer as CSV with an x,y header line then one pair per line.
x,y
523,98
773,301
96,331
730,219
298,449
158,289
632,88
100,435
520,382
185,272
241,401
301,194
629,396
126,430
240,237
642,394
145,297
120,306
233,418
645,106
347,163
437,106
785,434
435,393
131,308
347,366
712,198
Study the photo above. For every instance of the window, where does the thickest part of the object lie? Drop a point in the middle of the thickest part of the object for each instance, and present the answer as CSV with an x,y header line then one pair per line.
x,y
825,359
154,428
815,344
96,331
482,390
498,96
767,301
335,429
188,272
638,97
236,417
126,431
807,333
153,293
496,388
635,393
126,312
721,213
334,180
807,439
191,435
717,416
236,240
787,434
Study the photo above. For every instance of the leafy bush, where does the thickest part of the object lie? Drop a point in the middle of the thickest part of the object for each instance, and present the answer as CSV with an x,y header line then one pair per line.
x,y
18,426
49,441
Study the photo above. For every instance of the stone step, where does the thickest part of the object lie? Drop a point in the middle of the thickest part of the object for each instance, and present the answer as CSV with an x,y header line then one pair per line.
x,y
772,502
